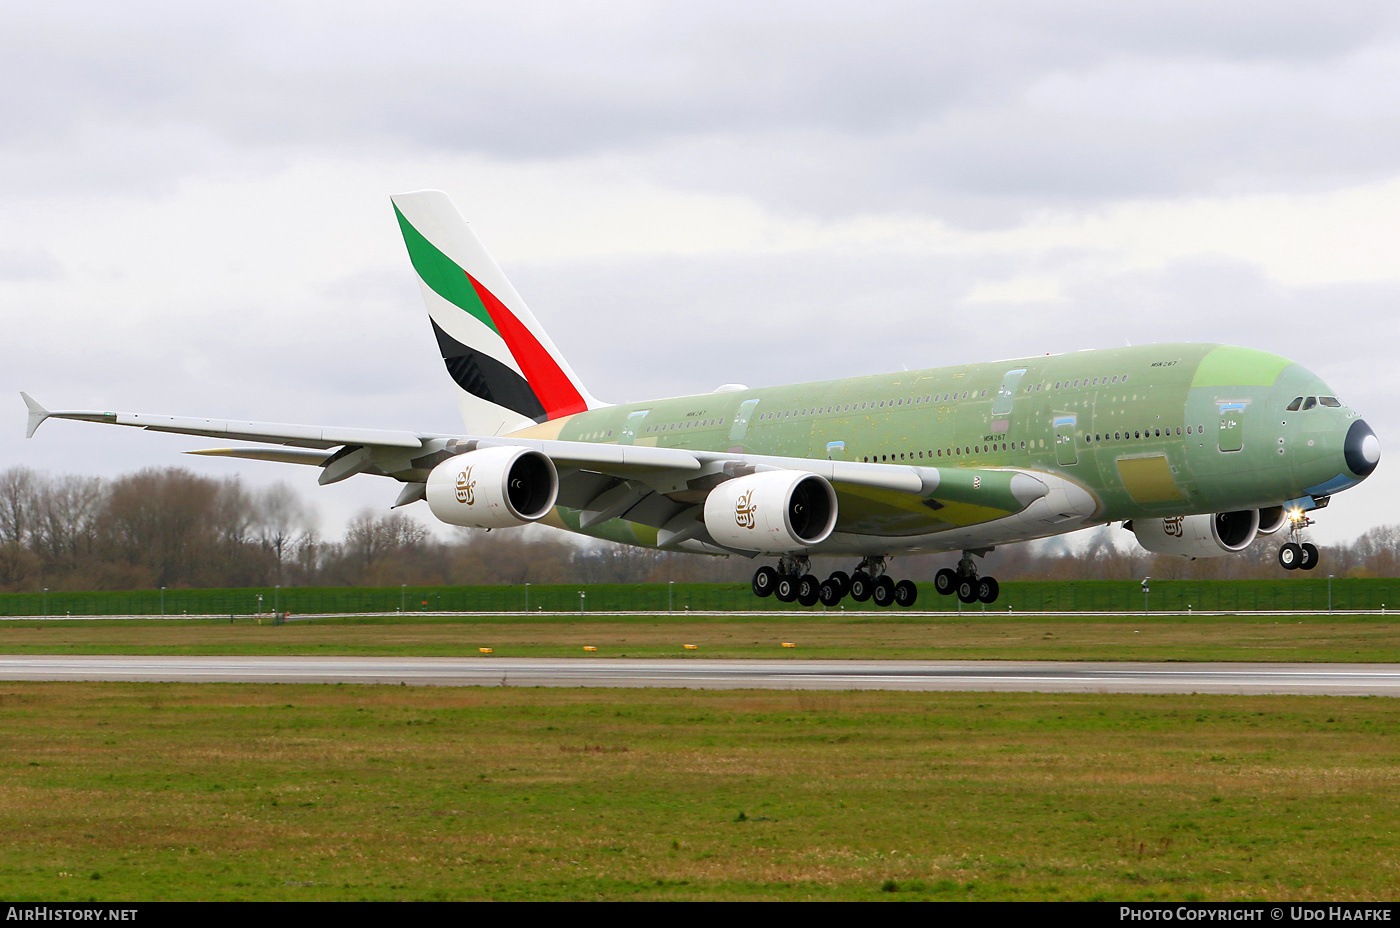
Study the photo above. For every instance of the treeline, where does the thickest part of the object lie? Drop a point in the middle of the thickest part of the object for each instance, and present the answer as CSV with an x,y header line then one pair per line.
x,y
173,528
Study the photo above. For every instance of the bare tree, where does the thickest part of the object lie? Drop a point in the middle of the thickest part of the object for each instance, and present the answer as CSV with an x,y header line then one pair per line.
x,y
17,489
65,519
282,519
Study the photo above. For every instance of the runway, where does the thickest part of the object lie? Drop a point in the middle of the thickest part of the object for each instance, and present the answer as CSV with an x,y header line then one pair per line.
x,y
1008,676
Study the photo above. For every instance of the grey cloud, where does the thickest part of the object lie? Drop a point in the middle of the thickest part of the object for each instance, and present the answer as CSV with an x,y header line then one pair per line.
x,y
17,265
814,106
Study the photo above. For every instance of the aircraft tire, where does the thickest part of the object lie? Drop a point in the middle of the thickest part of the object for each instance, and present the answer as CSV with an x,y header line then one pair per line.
x,y
829,594
841,581
883,592
967,590
785,589
946,582
1310,556
1289,556
861,587
808,590
765,579
988,590
906,593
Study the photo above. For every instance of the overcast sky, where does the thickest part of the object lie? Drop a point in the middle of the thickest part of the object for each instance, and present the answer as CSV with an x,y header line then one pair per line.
x,y
197,218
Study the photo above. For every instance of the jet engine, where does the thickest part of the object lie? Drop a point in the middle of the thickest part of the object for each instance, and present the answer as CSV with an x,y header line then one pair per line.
x,y
771,512
493,488
1271,519
1210,535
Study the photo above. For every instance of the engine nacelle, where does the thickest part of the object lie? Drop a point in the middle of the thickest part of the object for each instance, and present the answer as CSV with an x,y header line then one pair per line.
x,y
1210,535
772,512
493,488
1271,519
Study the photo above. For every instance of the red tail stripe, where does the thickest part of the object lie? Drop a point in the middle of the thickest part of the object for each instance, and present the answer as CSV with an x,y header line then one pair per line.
x,y
552,386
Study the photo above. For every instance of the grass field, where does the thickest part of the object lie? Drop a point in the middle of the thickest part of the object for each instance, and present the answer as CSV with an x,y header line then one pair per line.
x,y
1300,591
219,791
816,635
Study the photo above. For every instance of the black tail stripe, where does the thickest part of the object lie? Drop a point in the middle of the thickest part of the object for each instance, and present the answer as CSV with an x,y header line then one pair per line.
x,y
482,375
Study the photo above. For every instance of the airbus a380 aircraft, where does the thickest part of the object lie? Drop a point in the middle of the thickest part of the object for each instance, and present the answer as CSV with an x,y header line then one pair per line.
x,y
1196,448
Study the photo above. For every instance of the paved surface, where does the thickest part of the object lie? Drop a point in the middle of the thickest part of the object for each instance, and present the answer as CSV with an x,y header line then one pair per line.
x,y
1022,676
700,613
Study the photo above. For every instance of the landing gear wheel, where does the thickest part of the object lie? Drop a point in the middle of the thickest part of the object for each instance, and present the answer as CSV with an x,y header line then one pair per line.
x,y
905,593
829,594
808,590
841,581
987,590
967,590
1290,556
1310,556
785,589
861,586
883,594
764,580
946,582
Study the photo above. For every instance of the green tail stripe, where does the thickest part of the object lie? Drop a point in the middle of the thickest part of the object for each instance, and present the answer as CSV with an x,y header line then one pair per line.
x,y
442,274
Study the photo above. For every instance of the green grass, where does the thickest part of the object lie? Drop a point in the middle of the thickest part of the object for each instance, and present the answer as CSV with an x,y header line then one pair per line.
x,y
1296,592
887,635
220,791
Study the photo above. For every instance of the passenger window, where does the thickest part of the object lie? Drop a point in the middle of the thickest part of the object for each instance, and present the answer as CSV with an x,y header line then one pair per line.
x,y
1309,403
1329,401
1293,406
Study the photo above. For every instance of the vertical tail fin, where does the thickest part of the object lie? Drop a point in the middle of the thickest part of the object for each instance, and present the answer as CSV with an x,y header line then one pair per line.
x,y
508,372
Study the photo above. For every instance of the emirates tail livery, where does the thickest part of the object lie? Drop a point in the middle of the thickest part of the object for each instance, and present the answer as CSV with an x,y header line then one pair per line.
x,y
1195,448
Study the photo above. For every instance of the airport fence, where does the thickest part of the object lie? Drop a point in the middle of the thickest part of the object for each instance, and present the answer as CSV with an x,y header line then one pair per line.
x,y
1292,594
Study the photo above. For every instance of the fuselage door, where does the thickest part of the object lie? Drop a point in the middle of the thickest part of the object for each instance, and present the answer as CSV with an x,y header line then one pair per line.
x,y
1231,426
1009,385
1065,452
740,426
633,427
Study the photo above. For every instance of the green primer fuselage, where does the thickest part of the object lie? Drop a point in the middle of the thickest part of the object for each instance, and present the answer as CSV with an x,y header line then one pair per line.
x,y
1151,431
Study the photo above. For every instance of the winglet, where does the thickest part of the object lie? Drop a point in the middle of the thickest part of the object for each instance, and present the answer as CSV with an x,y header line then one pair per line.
x,y
37,414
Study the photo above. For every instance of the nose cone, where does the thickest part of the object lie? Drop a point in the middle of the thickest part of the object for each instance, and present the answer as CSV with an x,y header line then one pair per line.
x,y
1363,449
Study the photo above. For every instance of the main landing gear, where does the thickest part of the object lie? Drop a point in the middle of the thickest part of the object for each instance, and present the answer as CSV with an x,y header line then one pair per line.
x,y
965,583
1295,555
792,581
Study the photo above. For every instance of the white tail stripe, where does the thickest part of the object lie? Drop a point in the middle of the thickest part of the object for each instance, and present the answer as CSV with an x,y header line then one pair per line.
x,y
487,417
467,329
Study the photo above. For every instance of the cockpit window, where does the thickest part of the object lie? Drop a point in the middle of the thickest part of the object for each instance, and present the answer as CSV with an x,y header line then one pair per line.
x,y
1293,406
1309,403
1329,401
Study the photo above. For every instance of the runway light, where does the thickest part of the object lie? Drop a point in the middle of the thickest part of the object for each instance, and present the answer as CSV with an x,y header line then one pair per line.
x,y
691,647
485,650
789,644
589,647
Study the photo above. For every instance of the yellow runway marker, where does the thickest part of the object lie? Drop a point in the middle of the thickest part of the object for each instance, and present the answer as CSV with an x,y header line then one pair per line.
x,y
485,650
589,647
690,647
789,644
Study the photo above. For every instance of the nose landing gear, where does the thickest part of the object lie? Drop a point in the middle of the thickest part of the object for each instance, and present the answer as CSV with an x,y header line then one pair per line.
x,y
965,583
1295,555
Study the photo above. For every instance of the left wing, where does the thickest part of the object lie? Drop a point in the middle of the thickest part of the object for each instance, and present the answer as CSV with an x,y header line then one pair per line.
x,y
664,488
